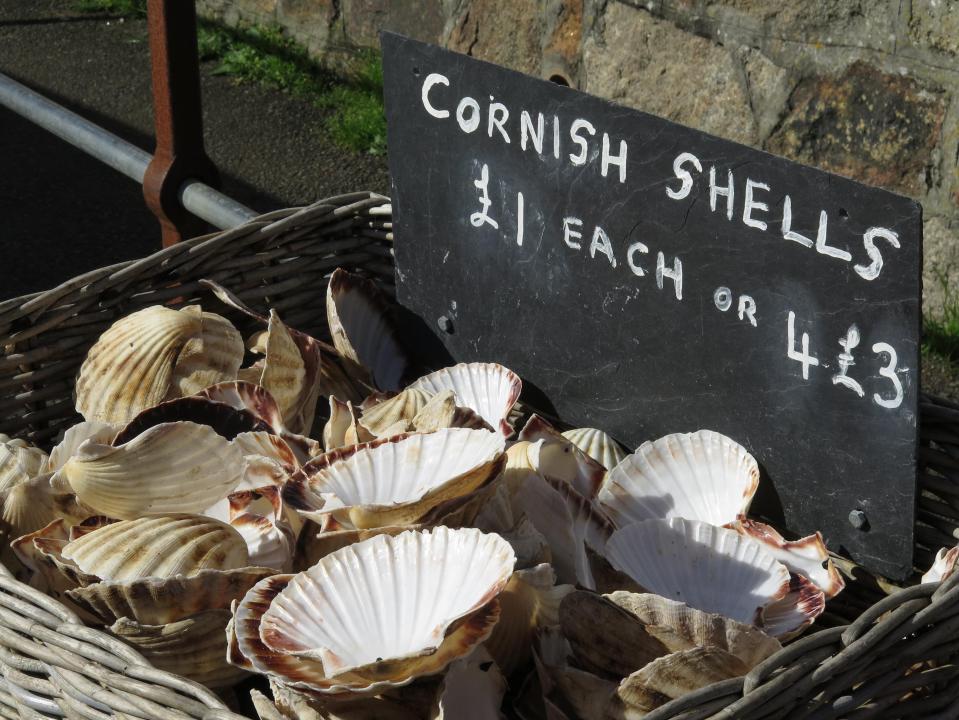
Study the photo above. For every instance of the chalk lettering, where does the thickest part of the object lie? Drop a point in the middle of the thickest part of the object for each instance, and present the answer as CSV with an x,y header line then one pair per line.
x,y
788,232
569,233
481,217
846,360
750,204
496,118
470,124
555,137
684,175
803,357
526,131
871,272
635,248
747,309
582,156
716,190
821,245
601,242
431,80
520,212
675,274
889,372
723,298
618,160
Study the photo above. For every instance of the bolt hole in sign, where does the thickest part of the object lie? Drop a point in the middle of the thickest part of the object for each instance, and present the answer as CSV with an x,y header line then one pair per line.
x,y
646,278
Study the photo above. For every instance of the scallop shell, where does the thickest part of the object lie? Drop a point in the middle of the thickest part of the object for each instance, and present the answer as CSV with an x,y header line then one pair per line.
x,y
605,639
344,429
246,649
227,421
212,356
472,689
161,546
709,568
674,676
157,601
258,516
489,389
257,400
194,647
363,334
556,457
570,524
397,480
943,566
568,692
443,412
460,571
787,617
699,476
32,504
399,409
265,445
173,467
680,627
75,436
598,445
19,461
130,367
807,556
529,601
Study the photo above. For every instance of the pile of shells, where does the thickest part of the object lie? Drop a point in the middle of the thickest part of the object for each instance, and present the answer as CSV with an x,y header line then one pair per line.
x,y
413,557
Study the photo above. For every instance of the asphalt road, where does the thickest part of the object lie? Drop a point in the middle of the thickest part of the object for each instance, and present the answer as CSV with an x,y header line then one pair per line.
x,y
63,212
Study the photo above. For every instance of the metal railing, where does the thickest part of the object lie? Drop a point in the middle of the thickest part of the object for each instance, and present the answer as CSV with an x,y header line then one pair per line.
x,y
173,177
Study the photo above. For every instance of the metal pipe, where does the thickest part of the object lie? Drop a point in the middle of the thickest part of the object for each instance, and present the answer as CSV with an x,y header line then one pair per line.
x,y
203,201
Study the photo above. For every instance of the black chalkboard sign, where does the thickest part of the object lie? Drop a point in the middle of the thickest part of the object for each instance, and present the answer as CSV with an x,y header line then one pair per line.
x,y
646,278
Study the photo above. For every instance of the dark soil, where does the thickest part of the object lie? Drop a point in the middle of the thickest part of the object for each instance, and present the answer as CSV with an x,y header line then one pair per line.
x,y
63,212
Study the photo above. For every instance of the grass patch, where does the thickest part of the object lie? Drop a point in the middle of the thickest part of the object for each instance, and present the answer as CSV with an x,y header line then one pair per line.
x,y
268,57
941,333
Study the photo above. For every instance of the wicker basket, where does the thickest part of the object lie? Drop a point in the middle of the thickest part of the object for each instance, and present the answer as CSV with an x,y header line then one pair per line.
x,y
878,651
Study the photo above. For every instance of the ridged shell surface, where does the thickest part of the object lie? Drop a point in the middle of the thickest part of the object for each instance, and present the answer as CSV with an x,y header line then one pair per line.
x,y
706,567
387,598
403,407
172,467
213,356
75,436
19,461
130,367
161,546
489,389
362,331
598,445
386,475
246,649
699,476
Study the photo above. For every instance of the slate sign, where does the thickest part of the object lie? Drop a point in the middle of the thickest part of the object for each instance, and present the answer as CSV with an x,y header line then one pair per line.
x,y
646,278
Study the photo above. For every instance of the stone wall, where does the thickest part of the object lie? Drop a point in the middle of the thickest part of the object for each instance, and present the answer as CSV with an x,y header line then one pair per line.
x,y
864,88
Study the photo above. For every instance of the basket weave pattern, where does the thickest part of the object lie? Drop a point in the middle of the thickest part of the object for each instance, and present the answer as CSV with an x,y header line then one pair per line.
x,y
885,656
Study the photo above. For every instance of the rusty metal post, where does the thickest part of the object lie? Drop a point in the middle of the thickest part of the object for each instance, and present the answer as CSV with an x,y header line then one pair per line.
x,y
177,114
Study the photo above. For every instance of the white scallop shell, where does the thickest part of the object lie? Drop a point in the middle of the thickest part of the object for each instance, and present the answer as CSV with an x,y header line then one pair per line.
x,y
806,556
75,436
161,546
401,408
569,523
472,689
489,389
787,617
130,367
212,356
364,604
943,566
554,456
246,649
598,445
362,332
699,476
396,480
706,567
19,461
443,412
171,467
